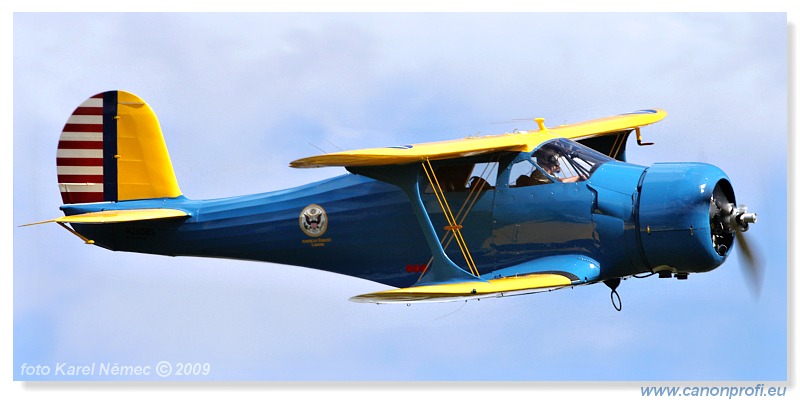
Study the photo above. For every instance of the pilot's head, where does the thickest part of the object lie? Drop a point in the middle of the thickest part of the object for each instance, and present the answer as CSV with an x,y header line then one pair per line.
x,y
548,160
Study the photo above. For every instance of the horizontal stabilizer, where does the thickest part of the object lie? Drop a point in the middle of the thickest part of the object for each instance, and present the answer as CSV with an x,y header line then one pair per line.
x,y
117,216
467,290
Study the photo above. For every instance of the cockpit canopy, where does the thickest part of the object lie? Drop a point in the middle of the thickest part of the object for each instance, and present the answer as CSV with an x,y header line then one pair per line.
x,y
558,160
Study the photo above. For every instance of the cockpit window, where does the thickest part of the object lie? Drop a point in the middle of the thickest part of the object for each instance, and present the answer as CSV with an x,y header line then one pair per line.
x,y
526,173
466,177
557,160
568,161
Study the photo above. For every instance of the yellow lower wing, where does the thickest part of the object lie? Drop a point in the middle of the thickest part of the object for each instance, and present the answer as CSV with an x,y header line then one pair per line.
x,y
466,290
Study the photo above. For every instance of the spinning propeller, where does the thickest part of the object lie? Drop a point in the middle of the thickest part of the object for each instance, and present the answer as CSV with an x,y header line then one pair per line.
x,y
752,263
729,221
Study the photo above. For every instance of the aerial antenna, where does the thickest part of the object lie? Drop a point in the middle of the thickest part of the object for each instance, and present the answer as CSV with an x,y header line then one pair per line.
x,y
329,142
451,313
312,145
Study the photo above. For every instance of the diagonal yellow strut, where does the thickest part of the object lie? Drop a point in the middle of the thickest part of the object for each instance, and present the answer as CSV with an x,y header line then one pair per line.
x,y
85,239
466,207
617,146
452,225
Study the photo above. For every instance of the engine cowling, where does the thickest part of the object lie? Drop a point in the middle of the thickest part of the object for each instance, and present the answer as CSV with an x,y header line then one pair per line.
x,y
687,217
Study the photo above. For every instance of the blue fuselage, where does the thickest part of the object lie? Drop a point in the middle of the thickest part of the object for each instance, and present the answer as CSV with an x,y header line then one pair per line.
x,y
372,232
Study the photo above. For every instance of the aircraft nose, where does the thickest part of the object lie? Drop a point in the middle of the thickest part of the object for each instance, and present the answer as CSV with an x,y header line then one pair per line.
x,y
681,228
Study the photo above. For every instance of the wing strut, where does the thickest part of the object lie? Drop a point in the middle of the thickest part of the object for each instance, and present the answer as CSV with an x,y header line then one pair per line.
x,y
619,144
407,177
453,226
83,238
466,207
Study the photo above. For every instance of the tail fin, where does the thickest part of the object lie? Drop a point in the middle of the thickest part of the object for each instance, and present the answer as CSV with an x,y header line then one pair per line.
x,y
112,149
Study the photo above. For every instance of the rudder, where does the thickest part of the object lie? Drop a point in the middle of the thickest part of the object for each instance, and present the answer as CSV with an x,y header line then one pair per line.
x,y
112,149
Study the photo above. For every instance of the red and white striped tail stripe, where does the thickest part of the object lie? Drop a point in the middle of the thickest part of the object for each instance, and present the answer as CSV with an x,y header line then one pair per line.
x,y
79,159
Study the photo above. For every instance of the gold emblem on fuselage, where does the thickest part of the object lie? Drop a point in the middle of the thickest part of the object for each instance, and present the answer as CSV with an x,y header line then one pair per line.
x,y
313,220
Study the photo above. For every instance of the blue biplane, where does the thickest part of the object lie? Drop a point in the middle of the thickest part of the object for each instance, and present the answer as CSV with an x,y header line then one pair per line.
x,y
477,217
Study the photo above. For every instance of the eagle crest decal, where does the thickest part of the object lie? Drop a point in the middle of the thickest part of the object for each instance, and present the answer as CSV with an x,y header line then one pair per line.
x,y
313,220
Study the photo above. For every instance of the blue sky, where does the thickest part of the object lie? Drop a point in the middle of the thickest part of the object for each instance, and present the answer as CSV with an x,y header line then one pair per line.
x,y
239,96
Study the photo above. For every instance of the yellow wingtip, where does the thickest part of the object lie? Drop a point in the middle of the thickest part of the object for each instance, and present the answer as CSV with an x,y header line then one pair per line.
x,y
610,124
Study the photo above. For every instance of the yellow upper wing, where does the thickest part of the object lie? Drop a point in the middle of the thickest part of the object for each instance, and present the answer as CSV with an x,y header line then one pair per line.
x,y
470,146
418,152
609,124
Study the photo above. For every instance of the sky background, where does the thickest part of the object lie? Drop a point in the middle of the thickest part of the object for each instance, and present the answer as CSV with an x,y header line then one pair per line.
x,y
239,96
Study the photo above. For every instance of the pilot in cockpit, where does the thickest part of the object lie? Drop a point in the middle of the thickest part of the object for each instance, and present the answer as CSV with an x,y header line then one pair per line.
x,y
548,160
